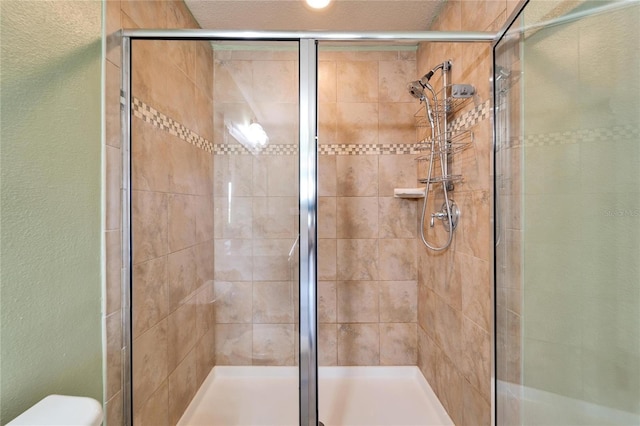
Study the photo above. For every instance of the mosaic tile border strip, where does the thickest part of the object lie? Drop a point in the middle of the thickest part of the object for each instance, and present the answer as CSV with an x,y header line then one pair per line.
x,y
465,121
162,122
369,149
334,149
271,149
472,117
583,135
596,135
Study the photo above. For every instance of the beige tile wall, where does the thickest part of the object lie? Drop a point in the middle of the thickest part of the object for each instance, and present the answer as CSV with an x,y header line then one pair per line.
x,y
256,206
454,302
367,298
367,248
172,204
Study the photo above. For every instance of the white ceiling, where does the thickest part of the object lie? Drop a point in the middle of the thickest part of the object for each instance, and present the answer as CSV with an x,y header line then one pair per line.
x,y
341,15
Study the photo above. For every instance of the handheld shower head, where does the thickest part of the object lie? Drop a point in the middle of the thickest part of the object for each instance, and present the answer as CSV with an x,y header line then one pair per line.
x,y
416,89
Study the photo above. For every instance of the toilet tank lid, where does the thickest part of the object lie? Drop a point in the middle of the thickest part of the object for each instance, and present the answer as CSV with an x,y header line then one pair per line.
x,y
61,410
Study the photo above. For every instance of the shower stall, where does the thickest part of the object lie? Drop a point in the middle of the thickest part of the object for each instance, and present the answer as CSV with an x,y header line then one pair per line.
x,y
271,274
270,262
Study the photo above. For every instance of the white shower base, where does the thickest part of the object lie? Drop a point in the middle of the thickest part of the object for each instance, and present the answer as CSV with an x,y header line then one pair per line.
x,y
349,396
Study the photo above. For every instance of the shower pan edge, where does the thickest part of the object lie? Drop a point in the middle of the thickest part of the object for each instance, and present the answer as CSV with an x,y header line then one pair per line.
x,y
355,395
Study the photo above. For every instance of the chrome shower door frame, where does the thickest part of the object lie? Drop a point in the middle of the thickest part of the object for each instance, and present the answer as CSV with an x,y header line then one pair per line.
x,y
308,148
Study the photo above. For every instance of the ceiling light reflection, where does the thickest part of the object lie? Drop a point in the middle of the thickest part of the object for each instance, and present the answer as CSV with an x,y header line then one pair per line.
x,y
252,136
318,4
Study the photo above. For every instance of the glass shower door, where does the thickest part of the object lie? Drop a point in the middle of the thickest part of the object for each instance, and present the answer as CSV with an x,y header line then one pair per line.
x,y
567,99
214,226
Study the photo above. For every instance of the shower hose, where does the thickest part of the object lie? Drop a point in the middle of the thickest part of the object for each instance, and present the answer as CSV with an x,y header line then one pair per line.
x,y
441,148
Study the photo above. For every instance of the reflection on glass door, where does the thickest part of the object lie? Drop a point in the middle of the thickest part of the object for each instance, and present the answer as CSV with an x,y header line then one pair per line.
x,y
567,279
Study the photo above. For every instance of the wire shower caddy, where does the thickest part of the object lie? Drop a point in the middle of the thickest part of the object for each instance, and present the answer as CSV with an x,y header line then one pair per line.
x,y
443,141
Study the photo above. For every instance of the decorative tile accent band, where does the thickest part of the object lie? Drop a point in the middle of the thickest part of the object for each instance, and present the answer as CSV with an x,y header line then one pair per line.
x,y
466,120
596,135
334,149
369,149
162,122
472,117
583,135
271,149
